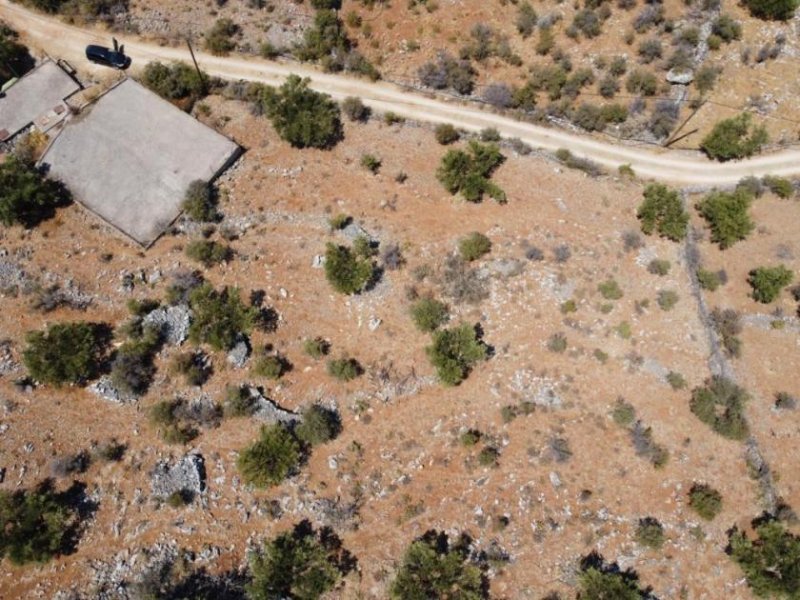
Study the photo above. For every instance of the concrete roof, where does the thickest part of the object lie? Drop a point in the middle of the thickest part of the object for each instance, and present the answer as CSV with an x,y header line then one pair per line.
x,y
33,96
131,156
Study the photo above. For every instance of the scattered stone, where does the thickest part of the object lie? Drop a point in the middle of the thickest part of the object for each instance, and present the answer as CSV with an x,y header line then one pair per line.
x,y
680,77
354,231
555,480
318,262
269,411
374,323
186,475
106,390
240,352
504,267
126,282
172,321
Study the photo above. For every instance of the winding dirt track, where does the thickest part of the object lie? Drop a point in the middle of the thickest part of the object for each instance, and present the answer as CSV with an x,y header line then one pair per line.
x,y
680,167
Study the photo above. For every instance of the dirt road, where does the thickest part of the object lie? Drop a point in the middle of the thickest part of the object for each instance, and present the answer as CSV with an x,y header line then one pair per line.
x,y
61,40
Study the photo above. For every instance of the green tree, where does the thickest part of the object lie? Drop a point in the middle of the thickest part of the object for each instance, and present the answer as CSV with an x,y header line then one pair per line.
x,y
771,563
720,405
734,138
301,564
14,57
598,580
662,212
208,252
774,10
35,525
429,314
270,459
650,533
767,282
454,352
219,317
328,36
26,197
64,353
727,215
346,272
344,369
468,173
301,116
433,567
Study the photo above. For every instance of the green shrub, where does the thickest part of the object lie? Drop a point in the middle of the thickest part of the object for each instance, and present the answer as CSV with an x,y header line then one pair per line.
x,y
705,501
270,366
270,459
26,196
779,186
219,318
568,306
219,39
767,282
239,402
734,138
355,109
676,381
66,353
774,10
557,343
301,116
371,163
659,267
650,533
316,348
180,498
473,246
433,567
728,327
770,562
662,212
667,299
132,369
642,82
446,134
720,405
345,271
727,216
727,29
344,369
488,456
623,413
470,437
468,173
35,525
301,563
200,202
429,314
208,252
708,280
526,19
176,81
340,221
610,290
454,352
319,425
571,161
327,36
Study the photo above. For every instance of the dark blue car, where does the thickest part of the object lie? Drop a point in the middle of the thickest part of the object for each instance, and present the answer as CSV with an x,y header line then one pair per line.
x,y
108,57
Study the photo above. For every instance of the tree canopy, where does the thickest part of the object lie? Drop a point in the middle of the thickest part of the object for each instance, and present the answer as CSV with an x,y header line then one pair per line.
x,y
219,316
26,196
468,173
345,271
454,352
771,562
301,116
301,564
733,138
64,353
433,567
727,216
774,10
270,459
662,212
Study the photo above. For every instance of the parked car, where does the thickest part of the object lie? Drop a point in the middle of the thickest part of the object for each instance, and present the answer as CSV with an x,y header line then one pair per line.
x,y
108,57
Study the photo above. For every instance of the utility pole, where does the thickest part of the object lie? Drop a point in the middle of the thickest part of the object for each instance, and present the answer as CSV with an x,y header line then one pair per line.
x,y
196,66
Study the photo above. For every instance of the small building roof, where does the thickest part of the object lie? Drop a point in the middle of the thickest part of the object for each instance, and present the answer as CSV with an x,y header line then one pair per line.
x,y
131,156
37,94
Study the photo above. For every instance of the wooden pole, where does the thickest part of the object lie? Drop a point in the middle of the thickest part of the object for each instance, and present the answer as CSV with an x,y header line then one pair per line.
x,y
196,66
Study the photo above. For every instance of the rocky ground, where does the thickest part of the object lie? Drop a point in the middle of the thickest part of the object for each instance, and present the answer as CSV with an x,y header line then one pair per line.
x,y
568,479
